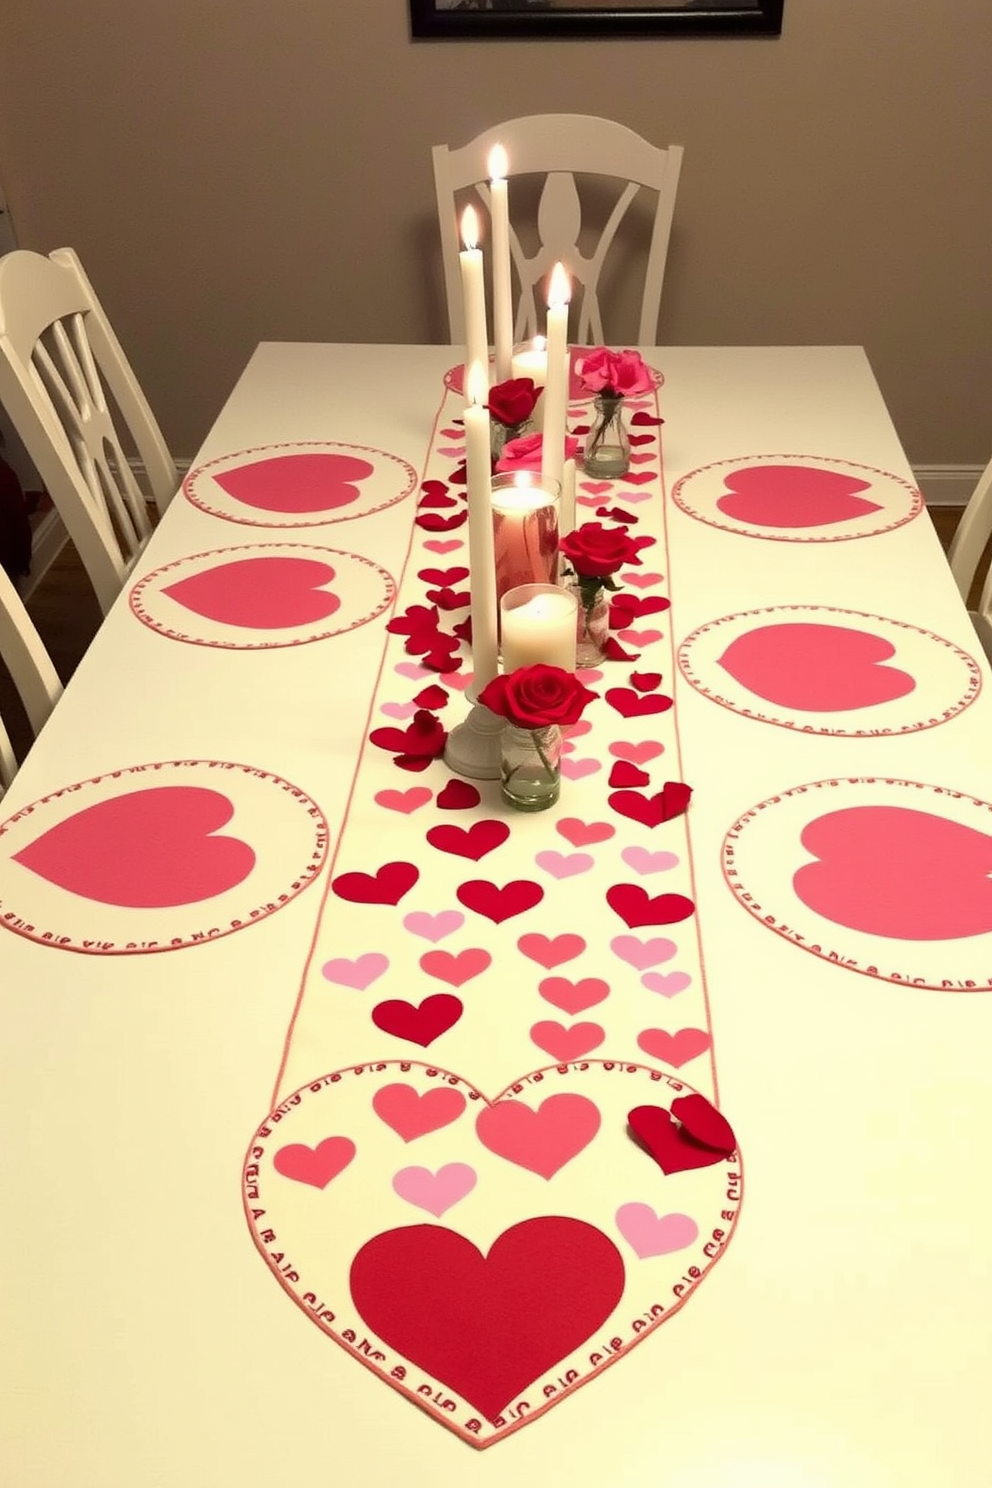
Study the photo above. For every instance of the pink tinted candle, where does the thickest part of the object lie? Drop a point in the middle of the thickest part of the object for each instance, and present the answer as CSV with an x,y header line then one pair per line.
x,y
525,531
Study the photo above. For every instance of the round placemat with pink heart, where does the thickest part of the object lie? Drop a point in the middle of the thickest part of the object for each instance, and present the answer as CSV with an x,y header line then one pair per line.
x,y
157,857
822,670
886,877
797,498
487,1255
299,485
264,596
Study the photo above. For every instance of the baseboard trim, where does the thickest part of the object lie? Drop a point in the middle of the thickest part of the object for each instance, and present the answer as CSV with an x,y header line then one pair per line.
x,y
947,485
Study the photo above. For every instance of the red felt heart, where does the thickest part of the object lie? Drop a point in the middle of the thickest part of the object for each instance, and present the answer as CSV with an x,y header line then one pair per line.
x,y
436,499
418,1024
631,704
613,651
442,576
260,593
431,522
790,496
458,795
296,483
645,681
670,1144
499,904
639,478
432,698
549,951
314,1165
415,1286
704,1123
624,773
816,668
386,886
583,834
449,599
473,842
433,488
670,802
637,440
148,849
636,907
644,420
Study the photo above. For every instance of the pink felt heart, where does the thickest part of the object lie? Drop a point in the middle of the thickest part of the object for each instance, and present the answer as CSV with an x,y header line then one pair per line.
x,y
296,482
405,802
398,710
435,1192
314,1165
433,927
666,984
791,496
443,545
455,969
358,974
583,834
410,669
637,908
652,1234
574,997
412,1113
147,849
418,1023
259,593
643,861
550,952
578,769
908,875
542,1141
640,638
564,1044
642,580
563,865
642,953
816,668
674,1048
459,680
595,488
637,754
499,903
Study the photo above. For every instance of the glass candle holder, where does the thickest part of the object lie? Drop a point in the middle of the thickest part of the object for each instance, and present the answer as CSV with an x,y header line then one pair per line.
x,y
538,622
525,530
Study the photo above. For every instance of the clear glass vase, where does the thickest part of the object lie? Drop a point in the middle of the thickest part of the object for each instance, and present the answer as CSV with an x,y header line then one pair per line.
x,y
607,451
530,767
501,434
592,623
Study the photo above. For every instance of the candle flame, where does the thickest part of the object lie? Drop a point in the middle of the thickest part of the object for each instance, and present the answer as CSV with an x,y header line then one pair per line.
x,y
560,288
477,384
470,228
498,163
540,343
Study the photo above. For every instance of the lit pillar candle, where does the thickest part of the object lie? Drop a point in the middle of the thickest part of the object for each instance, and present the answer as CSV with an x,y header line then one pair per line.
x,y
539,625
556,387
502,307
474,299
525,531
531,360
482,572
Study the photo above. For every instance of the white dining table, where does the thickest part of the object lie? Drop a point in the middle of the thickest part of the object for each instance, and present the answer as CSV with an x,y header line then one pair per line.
x,y
843,1339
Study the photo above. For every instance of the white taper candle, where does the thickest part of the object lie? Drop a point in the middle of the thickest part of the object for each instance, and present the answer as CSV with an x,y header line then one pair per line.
x,y
556,387
499,212
474,299
482,570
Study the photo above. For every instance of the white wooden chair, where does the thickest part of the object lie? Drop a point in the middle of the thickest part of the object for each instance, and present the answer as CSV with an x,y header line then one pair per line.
x,y
965,553
31,670
73,398
561,148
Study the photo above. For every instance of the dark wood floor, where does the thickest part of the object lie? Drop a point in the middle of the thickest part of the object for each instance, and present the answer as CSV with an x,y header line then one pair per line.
x,y
65,610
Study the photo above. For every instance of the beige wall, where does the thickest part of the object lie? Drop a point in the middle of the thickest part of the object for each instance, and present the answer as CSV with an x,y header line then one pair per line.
x,y
232,170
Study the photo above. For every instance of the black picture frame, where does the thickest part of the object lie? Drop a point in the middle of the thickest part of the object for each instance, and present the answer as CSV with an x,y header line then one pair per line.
x,y
485,19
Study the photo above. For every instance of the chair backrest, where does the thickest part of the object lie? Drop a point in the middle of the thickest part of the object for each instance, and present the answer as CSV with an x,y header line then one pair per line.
x,y
562,147
72,396
972,534
31,670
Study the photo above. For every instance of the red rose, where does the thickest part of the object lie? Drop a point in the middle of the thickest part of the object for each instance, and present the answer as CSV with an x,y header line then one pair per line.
x,y
538,696
512,402
597,552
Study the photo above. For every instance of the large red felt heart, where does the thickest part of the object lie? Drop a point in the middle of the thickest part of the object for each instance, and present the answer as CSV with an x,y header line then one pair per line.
x,y
473,842
671,1143
297,482
386,886
790,496
148,849
499,904
889,871
636,907
631,704
671,801
816,668
414,1287
418,1023
260,593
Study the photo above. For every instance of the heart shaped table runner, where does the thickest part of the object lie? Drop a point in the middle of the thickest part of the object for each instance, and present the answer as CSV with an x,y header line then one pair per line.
x,y
822,670
157,857
262,596
797,498
299,485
